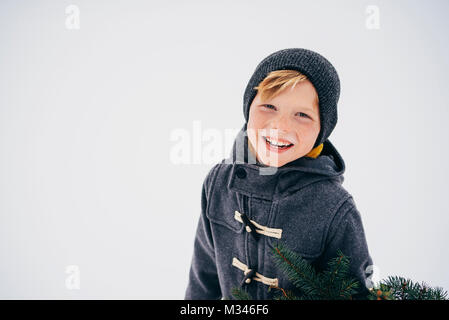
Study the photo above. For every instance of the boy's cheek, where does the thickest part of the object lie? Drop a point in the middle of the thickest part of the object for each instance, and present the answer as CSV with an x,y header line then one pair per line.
x,y
252,134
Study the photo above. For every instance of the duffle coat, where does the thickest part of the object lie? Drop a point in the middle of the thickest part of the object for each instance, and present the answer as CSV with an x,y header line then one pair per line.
x,y
244,212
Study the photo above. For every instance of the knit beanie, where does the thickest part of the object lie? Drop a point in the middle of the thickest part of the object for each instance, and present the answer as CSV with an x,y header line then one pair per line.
x,y
318,70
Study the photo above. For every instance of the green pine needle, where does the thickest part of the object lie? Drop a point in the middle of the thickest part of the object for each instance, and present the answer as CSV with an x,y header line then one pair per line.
x,y
240,294
406,289
299,271
336,283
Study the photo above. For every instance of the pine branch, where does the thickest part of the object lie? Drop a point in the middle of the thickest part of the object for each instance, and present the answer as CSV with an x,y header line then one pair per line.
x,y
336,282
286,295
240,294
382,292
406,289
299,271
337,279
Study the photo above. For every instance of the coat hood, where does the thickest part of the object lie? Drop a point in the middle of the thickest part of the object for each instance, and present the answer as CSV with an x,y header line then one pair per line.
x,y
329,165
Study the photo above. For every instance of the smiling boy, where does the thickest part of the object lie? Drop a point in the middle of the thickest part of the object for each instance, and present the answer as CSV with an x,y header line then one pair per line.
x,y
290,109
291,113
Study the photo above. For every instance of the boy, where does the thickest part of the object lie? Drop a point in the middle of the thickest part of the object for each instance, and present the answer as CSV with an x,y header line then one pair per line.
x,y
290,108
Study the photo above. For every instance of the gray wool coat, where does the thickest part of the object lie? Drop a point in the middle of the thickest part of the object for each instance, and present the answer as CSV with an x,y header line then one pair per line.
x,y
244,213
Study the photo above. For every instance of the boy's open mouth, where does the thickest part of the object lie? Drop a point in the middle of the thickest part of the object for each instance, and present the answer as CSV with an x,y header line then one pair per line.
x,y
275,145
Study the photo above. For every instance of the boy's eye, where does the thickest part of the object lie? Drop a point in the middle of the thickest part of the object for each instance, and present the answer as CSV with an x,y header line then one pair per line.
x,y
303,114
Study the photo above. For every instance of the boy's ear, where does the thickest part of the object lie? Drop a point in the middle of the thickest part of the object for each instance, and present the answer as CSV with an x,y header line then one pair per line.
x,y
315,152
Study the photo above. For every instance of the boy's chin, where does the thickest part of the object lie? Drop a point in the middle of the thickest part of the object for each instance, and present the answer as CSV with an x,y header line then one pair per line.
x,y
272,162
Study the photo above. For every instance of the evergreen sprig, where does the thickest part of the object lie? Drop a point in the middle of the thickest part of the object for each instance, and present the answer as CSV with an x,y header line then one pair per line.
x,y
332,284
405,289
241,294
336,283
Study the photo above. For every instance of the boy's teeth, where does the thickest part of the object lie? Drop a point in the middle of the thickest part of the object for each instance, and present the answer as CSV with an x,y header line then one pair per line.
x,y
277,143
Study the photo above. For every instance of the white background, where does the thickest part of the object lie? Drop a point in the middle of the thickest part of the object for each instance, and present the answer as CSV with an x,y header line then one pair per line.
x,y
86,115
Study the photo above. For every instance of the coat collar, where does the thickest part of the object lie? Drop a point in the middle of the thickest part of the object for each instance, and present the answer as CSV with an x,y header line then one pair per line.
x,y
252,178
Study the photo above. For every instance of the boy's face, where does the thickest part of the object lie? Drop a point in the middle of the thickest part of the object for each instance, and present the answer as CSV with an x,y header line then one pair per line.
x,y
291,118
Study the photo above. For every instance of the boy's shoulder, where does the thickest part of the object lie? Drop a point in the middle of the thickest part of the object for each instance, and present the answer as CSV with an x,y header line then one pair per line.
x,y
217,173
210,177
326,195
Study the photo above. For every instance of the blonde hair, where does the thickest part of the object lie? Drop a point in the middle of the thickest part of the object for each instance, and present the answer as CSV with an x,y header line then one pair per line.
x,y
277,81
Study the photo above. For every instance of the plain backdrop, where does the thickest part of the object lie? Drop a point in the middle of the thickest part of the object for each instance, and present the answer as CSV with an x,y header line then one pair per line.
x,y
87,115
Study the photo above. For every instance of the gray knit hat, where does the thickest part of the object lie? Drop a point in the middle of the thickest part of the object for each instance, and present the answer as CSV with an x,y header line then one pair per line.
x,y
318,70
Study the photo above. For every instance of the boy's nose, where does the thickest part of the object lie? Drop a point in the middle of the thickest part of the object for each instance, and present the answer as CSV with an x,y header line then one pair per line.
x,y
282,123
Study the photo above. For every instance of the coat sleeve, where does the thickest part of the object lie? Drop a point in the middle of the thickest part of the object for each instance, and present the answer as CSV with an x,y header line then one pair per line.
x,y
346,233
203,281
